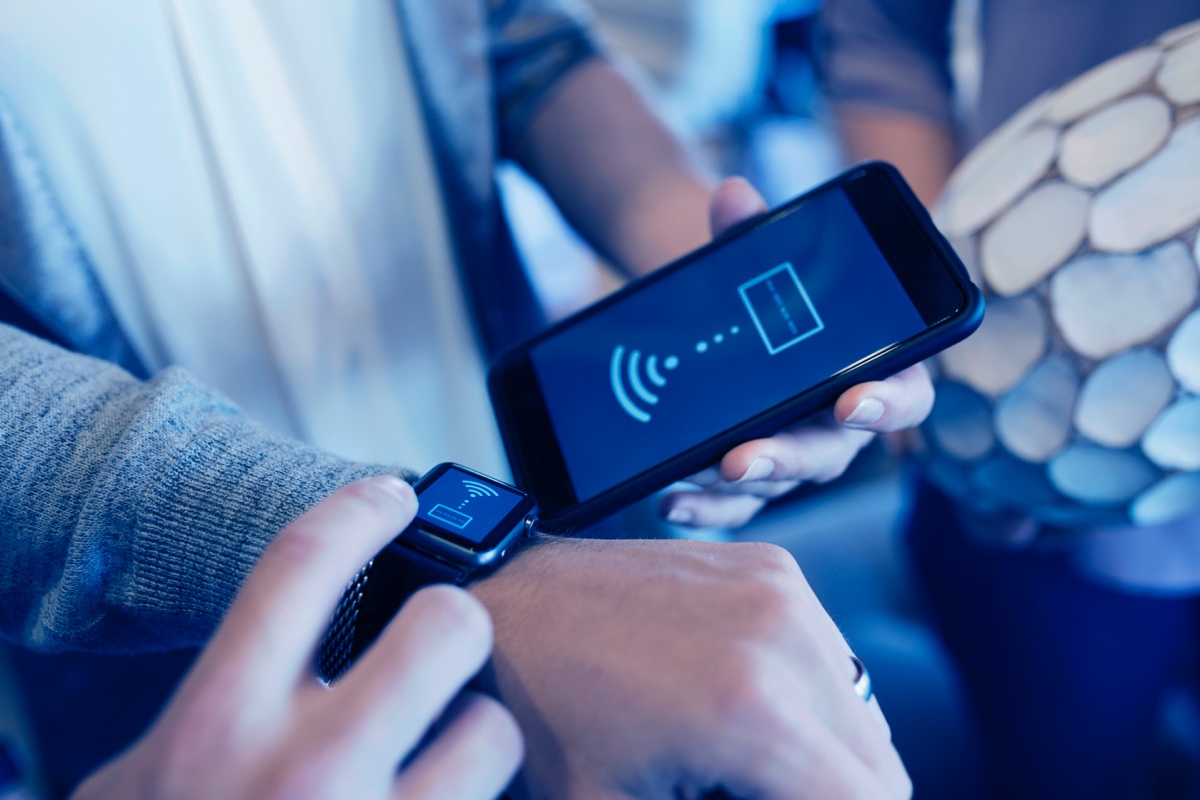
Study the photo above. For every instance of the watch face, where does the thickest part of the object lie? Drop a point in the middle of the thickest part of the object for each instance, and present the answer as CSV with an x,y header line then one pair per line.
x,y
467,508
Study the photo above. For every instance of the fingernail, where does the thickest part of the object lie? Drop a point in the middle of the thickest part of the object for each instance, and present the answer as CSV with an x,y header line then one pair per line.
x,y
759,469
396,488
868,412
680,516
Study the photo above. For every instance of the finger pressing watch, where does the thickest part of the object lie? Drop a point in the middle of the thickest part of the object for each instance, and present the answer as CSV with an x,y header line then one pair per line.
x,y
467,525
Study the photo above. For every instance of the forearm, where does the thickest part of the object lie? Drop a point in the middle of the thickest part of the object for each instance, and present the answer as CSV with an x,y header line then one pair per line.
x,y
619,175
884,66
132,511
925,151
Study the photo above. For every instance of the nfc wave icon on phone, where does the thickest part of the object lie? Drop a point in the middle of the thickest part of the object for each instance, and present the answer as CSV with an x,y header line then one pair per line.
x,y
620,371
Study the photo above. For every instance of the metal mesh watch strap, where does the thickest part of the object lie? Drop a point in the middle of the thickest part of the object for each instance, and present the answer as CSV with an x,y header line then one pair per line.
x,y
334,654
371,600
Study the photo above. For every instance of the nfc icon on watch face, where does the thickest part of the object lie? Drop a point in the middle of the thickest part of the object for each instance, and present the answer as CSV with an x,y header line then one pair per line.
x,y
464,504
456,517
448,515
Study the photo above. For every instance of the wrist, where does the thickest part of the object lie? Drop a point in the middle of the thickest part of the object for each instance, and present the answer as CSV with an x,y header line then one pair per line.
x,y
517,573
467,525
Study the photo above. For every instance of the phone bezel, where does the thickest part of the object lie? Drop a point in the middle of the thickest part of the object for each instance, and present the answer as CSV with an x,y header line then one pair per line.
x,y
911,245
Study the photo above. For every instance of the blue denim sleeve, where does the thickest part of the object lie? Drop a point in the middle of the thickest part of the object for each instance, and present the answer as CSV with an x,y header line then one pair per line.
x,y
534,43
131,511
891,54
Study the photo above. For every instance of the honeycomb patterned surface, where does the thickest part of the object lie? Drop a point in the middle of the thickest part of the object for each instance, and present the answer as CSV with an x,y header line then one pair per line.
x,y
1078,401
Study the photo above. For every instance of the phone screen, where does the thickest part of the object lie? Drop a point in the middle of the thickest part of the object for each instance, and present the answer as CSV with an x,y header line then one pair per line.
x,y
744,327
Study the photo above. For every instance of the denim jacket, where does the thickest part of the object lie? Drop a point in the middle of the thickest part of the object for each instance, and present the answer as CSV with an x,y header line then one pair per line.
x,y
132,509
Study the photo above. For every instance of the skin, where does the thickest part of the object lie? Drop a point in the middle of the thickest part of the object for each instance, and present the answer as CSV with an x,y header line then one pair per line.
x,y
661,669
924,151
617,174
736,679
252,721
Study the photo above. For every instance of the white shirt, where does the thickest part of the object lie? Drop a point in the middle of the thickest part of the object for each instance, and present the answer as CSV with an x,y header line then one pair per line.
x,y
253,181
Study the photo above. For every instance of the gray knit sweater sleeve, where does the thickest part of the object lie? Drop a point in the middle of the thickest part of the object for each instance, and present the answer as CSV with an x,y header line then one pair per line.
x,y
131,510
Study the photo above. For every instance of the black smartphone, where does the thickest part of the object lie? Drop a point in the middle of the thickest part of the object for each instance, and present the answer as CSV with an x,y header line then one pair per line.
x,y
766,325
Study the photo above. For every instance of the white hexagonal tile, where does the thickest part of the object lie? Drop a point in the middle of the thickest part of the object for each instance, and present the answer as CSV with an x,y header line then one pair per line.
x,y
1122,397
975,198
1155,201
1168,500
1092,229
999,140
1179,77
1183,353
1180,34
1100,147
1112,79
1010,341
1033,237
1034,420
1093,474
1173,441
1104,304
961,422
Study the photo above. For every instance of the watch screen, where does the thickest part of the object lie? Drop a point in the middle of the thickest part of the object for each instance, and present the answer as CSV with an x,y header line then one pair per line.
x,y
466,505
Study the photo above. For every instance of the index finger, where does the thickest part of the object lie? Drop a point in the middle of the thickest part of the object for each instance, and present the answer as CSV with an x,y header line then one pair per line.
x,y
265,644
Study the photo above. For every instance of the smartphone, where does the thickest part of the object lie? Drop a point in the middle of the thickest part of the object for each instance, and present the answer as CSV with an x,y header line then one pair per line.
x,y
763,327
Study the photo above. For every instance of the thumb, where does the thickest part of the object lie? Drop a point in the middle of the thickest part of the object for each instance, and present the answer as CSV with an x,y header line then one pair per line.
x,y
734,201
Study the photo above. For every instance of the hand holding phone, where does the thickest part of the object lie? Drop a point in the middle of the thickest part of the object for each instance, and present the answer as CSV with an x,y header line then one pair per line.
x,y
768,325
729,494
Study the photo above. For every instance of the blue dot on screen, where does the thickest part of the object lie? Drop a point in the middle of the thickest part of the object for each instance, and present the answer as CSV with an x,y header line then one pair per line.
x,y
671,363
735,330
701,347
720,337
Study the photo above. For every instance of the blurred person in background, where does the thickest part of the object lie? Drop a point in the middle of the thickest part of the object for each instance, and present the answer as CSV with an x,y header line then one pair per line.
x,y
295,202
1067,656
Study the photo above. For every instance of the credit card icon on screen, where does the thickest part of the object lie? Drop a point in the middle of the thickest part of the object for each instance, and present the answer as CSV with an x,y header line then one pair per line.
x,y
449,516
781,309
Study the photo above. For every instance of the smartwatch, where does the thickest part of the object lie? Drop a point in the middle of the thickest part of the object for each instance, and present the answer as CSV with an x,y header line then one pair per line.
x,y
467,525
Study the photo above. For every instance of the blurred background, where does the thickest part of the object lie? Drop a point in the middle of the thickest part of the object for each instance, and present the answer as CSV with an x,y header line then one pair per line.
x,y
739,79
